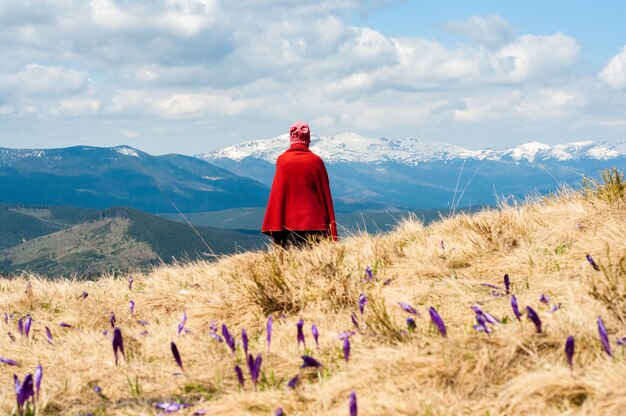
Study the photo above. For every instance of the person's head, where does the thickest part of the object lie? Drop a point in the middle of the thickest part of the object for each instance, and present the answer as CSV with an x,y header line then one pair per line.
x,y
300,133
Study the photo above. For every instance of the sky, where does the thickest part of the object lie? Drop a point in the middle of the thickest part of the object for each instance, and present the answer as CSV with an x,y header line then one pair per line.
x,y
192,76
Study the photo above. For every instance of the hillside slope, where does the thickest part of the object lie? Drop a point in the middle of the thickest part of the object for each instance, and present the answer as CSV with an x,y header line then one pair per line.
x,y
112,240
448,265
21,223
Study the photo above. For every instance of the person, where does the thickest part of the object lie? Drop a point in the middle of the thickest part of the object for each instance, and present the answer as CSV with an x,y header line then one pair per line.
x,y
300,206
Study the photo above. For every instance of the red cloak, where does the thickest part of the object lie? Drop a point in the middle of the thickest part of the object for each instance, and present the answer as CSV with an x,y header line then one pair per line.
x,y
300,197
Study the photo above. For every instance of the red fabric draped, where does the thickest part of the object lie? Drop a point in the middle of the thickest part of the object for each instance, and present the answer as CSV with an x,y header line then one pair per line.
x,y
300,197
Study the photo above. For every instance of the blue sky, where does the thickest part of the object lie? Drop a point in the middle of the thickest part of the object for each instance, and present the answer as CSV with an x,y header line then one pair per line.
x,y
598,25
190,76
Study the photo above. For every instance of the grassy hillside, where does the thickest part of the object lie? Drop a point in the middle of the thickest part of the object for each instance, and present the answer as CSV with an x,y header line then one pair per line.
x,y
449,265
22,223
113,240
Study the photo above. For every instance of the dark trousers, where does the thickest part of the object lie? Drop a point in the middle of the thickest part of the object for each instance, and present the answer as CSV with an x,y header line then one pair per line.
x,y
300,238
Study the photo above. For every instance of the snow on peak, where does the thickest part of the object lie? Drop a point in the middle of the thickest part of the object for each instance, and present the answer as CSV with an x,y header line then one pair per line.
x,y
528,151
126,151
346,147
354,148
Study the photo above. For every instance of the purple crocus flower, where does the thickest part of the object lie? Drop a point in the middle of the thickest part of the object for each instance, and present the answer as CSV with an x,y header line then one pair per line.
x,y
482,323
486,315
23,391
176,355
544,299
84,295
507,284
604,337
131,305
20,326
7,361
362,302
369,275
181,324
27,324
244,340
216,337
38,378
490,285
228,338
316,335
171,407
346,349
65,325
621,341
239,376
436,319
254,365
355,322
308,361
569,351
353,405
593,263
407,308
293,382
491,319
142,322
410,323
118,344
532,316
279,412
112,320
515,308
344,334
300,325
269,333
555,308
49,335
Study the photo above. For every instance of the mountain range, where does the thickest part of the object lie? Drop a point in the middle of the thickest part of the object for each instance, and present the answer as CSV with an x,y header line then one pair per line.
x,y
85,210
100,178
417,174
79,242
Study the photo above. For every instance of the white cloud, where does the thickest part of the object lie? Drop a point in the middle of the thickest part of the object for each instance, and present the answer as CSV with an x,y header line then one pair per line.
x,y
38,80
175,106
490,30
184,18
245,69
535,56
129,134
614,73
197,105
76,106
550,103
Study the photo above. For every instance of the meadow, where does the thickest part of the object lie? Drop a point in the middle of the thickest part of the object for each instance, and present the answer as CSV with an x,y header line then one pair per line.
x,y
564,256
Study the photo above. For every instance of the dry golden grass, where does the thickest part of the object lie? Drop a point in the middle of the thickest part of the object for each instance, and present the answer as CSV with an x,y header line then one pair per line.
x,y
512,371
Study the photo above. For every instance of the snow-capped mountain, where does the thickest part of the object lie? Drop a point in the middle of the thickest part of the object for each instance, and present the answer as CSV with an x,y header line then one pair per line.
x,y
353,148
410,173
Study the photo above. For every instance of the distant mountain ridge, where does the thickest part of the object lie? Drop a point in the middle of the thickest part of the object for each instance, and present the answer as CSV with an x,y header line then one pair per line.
x,y
57,241
353,148
413,174
99,178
